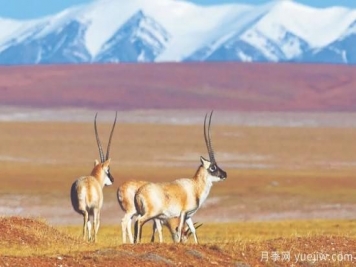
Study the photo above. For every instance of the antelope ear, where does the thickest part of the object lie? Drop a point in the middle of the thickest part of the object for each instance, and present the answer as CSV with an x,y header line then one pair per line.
x,y
96,162
205,162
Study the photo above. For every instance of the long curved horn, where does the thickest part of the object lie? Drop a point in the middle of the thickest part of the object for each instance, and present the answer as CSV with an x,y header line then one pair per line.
x,y
101,153
208,139
188,233
109,144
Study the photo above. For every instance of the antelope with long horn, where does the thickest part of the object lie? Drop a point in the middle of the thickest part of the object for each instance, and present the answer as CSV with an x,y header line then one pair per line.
x,y
179,198
126,198
87,191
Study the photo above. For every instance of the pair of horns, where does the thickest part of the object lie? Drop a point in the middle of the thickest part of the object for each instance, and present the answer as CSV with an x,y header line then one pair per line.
x,y
206,136
189,233
208,139
101,152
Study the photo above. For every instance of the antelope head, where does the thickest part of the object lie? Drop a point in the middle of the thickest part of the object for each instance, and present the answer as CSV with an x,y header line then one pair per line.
x,y
214,172
105,160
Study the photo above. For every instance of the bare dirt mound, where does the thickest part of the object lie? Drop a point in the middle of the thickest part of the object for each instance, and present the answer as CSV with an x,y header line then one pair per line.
x,y
20,231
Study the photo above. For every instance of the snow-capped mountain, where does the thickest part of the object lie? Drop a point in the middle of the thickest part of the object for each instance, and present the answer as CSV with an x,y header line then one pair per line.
x,y
65,45
140,39
171,30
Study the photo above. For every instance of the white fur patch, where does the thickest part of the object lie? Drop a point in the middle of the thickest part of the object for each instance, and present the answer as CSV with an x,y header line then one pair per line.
x,y
107,180
212,178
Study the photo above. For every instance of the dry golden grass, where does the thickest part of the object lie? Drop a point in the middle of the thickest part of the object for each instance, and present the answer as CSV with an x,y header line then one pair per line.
x,y
229,244
237,231
271,170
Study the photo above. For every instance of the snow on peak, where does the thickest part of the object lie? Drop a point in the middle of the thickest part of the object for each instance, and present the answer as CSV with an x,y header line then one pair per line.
x,y
9,26
280,30
317,26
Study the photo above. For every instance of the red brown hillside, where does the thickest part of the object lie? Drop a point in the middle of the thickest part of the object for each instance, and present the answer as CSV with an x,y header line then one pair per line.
x,y
229,86
20,232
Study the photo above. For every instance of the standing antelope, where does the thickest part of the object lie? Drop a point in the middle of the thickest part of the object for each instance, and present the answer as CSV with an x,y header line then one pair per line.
x,y
87,191
126,197
180,198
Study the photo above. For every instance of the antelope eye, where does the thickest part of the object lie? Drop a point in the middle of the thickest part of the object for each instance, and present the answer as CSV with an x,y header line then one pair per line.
x,y
212,168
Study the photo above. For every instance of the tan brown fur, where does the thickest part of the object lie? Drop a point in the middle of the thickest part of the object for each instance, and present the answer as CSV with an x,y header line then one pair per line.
x,y
126,196
179,198
87,198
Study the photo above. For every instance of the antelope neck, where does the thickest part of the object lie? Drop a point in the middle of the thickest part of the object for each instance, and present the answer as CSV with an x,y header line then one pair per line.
x,y
202,184
97,172
201,178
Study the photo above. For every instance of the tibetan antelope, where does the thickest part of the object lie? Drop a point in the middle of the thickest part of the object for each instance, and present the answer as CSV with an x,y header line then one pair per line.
x,y
179,198
87,191
126,196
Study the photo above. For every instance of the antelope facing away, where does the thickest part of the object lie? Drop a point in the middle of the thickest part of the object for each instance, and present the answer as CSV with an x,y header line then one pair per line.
x,y
179,198
87,191
126,196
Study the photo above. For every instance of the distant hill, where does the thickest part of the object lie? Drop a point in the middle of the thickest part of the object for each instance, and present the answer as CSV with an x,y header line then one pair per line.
x,y
226,86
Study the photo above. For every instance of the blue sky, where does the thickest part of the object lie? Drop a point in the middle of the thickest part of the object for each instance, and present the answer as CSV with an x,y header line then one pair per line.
x,y
27,9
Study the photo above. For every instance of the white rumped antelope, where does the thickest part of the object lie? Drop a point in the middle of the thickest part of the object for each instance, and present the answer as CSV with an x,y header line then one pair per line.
x,y
179,198
126,198
87,191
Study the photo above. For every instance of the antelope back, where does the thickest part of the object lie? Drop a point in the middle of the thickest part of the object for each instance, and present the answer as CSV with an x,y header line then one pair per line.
x,y
126,194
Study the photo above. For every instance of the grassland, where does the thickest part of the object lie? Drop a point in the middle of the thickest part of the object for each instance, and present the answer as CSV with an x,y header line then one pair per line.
x,y
288,189
29,242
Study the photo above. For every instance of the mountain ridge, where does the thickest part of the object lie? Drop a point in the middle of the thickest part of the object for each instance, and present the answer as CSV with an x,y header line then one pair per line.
x,y
279,31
